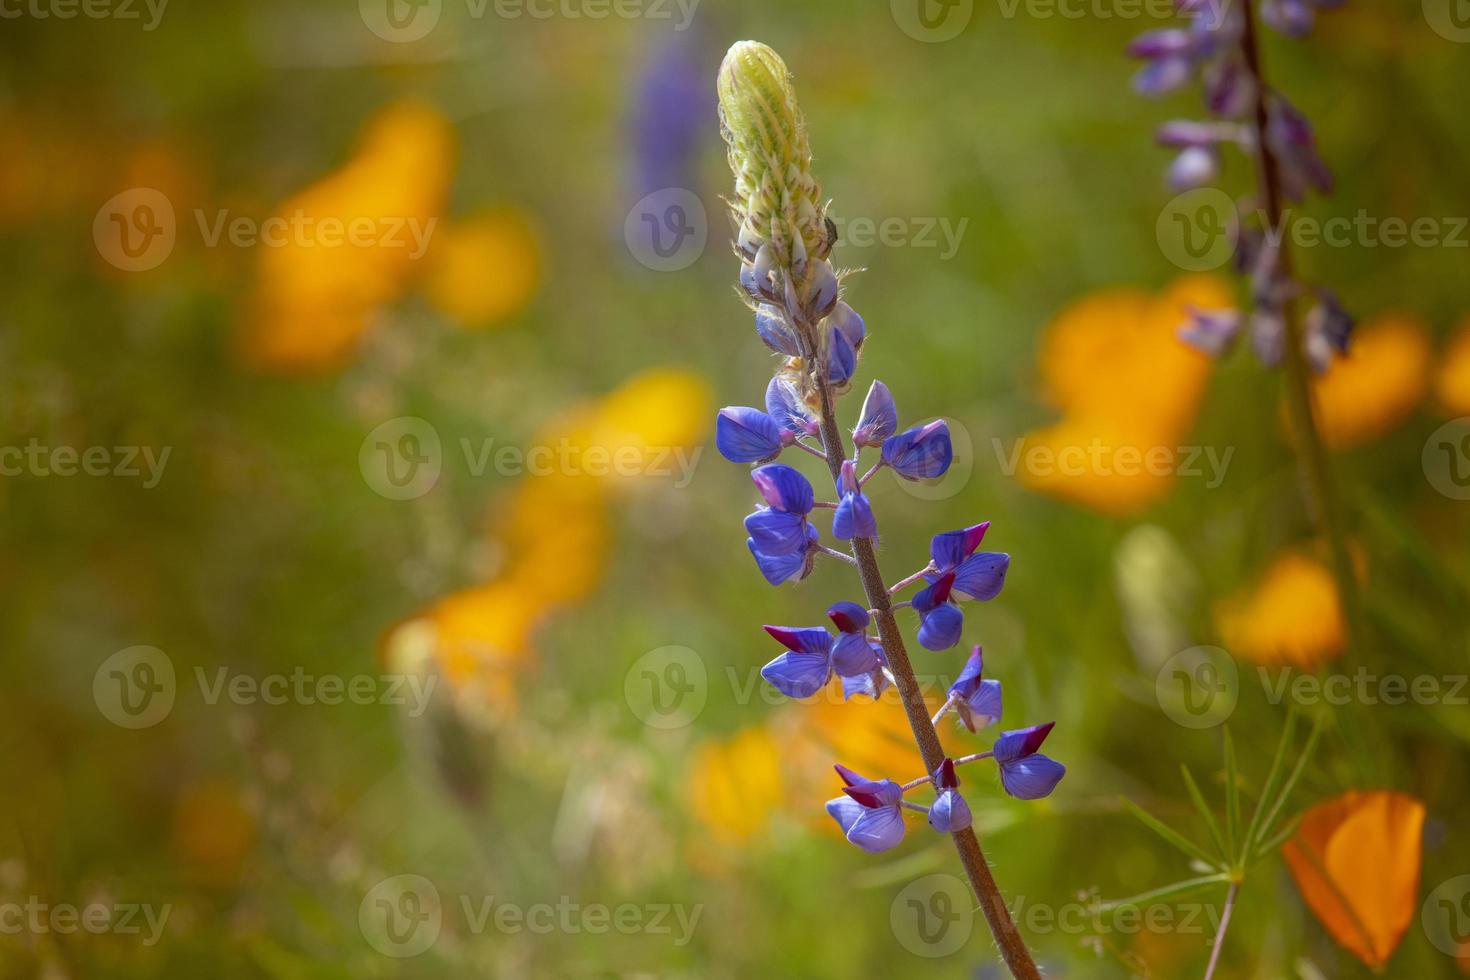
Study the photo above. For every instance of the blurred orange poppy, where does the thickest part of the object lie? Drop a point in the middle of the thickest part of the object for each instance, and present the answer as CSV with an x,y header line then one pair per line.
x,y
1128,390
1377,386
1452,382
735,784
1355,859
1291,616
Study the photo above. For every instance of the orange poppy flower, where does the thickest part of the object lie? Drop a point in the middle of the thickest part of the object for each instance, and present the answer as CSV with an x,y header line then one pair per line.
x,y
1128,390
1377,386
1292,616
1355,859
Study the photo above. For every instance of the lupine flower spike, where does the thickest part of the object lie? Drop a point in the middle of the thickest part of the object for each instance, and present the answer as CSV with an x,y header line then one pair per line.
x,y
784,245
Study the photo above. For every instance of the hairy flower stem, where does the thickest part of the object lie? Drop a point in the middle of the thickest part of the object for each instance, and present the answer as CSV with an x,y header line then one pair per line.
x,y
1311,453
1220,932
1007,936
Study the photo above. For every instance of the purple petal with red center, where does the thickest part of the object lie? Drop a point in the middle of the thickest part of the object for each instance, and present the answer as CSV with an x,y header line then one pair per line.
x,y
783,405
952,547
982,708
877,830
854,518
747,435
846,319
779,568
777,334
848,777
982,576
849,616
879,418
949,813
941,627
946,778
1031,778
798,675
935,594
841,358
920,453
784,488
802,639
852,655
1020,743
776,532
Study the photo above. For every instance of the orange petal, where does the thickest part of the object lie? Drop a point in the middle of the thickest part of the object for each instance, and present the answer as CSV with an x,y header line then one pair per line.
x,y
1355,859
1452,383
1292,616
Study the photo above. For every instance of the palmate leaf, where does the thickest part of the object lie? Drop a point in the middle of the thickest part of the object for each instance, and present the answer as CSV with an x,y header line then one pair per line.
x,y
1204,811
1288,732
1149,897
1232,799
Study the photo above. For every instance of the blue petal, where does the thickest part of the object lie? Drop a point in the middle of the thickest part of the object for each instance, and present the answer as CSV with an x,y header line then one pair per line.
x,y
981,576
845,811
1015,745
778,568
942,627
846,319
982,708
783,405
746,435
877,830
854,518
873,685
853,656
965,684
775,332
920,453
841,358
849,616
776,532
949,813
879,418
784,488
1031,778
802,639
798,675
947,550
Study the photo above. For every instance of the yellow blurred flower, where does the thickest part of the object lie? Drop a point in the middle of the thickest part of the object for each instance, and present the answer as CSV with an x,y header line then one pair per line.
x,y
736,784
483,269
1355,859
1292,616
1452,382
1128,390
316,292
1377,386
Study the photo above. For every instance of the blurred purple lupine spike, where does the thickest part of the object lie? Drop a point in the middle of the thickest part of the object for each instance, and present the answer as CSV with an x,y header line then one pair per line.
x,y
1222,43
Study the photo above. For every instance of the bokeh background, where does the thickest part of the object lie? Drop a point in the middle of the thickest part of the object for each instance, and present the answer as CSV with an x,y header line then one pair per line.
x,y
381,460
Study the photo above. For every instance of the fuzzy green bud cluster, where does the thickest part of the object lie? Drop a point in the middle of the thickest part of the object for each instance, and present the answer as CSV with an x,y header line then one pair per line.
x,y
784,239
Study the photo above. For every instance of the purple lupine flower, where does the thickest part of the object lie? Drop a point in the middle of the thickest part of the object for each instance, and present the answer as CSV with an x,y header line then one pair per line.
x,y
670,110
775,332
868,812
781,538
1171,54
957,570
748,435
854,517
1211,332
921,453
950,812
879,418
1194,167
977,701
846,320
1024,773
841,358
806,666
853,653
1230,88
1295,147
1328,328
1294,18
785,406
